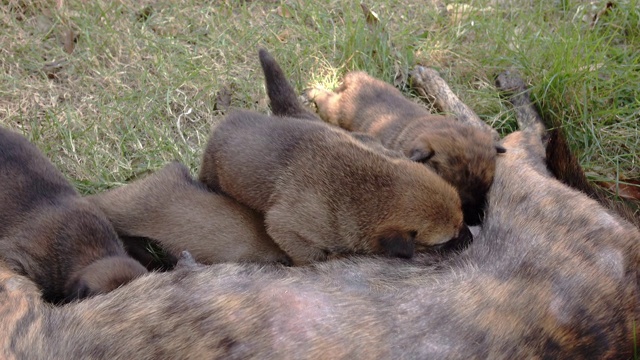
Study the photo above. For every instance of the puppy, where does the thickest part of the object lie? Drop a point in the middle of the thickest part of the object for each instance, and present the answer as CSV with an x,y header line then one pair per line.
x,y
323,192
463,155
50,234
284,102
179,213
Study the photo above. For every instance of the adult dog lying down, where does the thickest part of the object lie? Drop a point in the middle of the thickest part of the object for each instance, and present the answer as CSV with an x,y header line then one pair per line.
x,y
552,273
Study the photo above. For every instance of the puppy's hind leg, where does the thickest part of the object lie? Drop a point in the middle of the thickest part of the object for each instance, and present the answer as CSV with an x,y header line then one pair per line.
x,y
300,250
327,104
282,96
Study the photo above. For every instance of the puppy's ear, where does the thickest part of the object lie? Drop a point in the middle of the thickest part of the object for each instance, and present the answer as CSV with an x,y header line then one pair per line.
x,y
421,154
398,244
500,149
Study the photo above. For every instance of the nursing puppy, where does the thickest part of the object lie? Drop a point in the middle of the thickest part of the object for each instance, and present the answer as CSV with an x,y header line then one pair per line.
x,y
284,102
52,235
180,213
323,192
463,155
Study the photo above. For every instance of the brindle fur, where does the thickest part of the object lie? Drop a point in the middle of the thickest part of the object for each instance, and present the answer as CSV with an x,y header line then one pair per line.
x,y
323,192
563,164
180,213
463,155
49,233
552,275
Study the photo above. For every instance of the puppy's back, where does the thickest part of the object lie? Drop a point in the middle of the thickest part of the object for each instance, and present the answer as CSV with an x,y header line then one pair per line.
x,y
27,179
179,213
249,140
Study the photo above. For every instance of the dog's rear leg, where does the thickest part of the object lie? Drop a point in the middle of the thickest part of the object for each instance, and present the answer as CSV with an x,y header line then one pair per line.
x,y
528,118
562,163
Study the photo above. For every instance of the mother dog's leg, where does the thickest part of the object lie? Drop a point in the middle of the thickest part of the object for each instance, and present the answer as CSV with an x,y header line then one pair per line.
x,y
562,163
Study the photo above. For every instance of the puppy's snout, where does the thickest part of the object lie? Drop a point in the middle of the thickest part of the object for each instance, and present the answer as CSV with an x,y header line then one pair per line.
x,y
285,261
459,242
464,239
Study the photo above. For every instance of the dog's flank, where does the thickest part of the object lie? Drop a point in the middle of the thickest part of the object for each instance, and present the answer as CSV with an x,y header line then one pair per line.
x,y
179,213
50,234
463,155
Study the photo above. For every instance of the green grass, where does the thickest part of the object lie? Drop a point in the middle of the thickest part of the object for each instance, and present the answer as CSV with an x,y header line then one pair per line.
x,y
139,88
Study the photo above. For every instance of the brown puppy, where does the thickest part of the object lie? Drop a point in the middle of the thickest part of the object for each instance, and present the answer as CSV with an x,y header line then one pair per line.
x,y
52,235
324,192
180,213
463,155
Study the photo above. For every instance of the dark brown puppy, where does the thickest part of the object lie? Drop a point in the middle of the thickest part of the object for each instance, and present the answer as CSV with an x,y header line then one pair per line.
x,y
463,155
52,235
180,213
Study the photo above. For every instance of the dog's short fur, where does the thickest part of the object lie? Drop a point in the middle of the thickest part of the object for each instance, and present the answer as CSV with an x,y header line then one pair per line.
x,y
52,235
463,155
180,213
552,275
323,192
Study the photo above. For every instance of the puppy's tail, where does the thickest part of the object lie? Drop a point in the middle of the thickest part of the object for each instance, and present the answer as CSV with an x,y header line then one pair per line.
x,y
282,96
